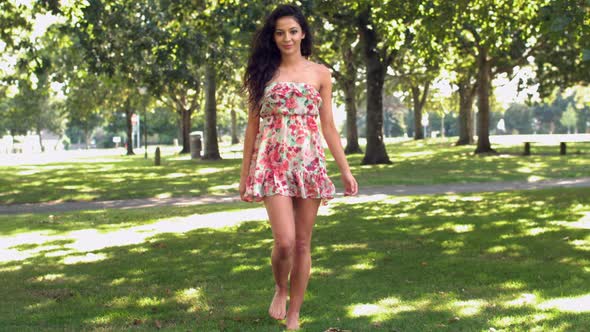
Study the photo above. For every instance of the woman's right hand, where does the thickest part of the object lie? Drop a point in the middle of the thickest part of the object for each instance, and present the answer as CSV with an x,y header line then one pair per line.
x,y
351,187
242,190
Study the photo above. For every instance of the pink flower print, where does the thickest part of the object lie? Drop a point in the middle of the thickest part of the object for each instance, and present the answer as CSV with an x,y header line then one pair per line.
x,y
277,122
275,156
291,103
312,166
300,138
284,166
311,124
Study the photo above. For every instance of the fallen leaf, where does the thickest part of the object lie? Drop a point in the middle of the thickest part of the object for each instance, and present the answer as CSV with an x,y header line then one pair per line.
x,y
158,324
454,319
137,322
424,263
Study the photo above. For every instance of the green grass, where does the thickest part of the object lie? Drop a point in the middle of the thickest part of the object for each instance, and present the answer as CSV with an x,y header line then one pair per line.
x,y
513,261
429,162
438,161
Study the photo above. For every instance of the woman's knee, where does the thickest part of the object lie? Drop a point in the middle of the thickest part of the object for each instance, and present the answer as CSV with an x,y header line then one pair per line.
x,y
302,246
284,247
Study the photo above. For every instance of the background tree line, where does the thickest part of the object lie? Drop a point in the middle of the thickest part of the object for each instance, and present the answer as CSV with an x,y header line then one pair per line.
x,y
394,65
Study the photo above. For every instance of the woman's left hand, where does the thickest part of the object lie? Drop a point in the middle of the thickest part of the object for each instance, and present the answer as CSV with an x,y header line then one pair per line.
x,y
350,185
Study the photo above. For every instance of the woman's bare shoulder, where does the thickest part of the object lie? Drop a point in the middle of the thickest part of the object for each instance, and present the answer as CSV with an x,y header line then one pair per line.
x,y
319,69
323,75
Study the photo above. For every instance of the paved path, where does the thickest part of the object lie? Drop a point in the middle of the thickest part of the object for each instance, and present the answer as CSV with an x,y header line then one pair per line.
x,y
400,190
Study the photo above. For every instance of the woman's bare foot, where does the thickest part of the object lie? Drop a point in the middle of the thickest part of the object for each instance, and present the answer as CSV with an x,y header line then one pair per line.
x,y
292,321
278,306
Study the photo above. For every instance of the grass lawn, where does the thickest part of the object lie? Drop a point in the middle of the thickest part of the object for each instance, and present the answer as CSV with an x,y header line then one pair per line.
x,y
429,162
513,261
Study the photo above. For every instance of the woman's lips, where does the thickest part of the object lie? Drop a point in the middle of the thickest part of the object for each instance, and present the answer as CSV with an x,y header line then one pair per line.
x,y
287,46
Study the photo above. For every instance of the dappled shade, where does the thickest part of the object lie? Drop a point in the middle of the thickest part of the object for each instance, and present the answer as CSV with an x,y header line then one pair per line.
x,y
512,261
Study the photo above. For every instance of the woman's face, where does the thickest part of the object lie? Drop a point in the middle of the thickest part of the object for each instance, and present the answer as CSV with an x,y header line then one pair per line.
x,y
288,35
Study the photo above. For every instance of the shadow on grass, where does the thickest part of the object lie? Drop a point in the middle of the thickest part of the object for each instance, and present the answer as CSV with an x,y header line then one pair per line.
x,y
456,262
104,220
133,178
439,161
425,162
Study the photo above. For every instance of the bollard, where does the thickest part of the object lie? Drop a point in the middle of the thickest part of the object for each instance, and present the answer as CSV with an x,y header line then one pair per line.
x,y
158,156
562,148
527,149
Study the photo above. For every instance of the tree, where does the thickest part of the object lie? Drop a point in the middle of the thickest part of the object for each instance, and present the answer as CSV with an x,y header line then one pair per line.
x,y
230,35
569,118
339,49
13,22
503,34
519,119
16,23
419,61
463,65
178,48
384,33
564,60
117,38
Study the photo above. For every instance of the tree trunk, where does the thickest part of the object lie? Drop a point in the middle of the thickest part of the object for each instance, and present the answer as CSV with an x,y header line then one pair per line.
x,y
352,139
211,146
185,129
128,115
375,152
349,86
466,96
419,100
418,129
442,125
87,134
43,148
483,102
234,128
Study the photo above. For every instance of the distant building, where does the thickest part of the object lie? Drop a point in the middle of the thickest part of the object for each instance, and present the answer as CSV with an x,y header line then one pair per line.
x,y
30,143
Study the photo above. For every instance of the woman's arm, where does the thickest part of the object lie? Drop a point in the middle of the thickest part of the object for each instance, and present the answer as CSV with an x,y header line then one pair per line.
x,y
331,133
249,141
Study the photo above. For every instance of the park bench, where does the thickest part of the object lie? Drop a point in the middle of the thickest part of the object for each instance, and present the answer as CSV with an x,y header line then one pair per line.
x,y
554,139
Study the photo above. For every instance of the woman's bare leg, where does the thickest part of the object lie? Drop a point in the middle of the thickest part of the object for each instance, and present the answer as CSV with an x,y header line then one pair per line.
x,y
282,222
306,211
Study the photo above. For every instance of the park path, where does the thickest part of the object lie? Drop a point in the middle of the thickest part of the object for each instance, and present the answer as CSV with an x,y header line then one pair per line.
x,y
397,190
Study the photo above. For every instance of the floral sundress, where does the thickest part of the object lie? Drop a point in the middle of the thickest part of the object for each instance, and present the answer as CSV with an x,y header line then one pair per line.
x,y
288,157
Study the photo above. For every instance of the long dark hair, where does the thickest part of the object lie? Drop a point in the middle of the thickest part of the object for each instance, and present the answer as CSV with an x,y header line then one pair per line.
x,y
265,56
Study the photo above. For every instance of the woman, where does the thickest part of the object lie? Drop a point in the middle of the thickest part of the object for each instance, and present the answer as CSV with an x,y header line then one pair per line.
x,y
284,163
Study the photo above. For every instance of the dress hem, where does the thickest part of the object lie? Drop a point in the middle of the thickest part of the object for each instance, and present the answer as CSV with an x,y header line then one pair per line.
x,y
259,198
